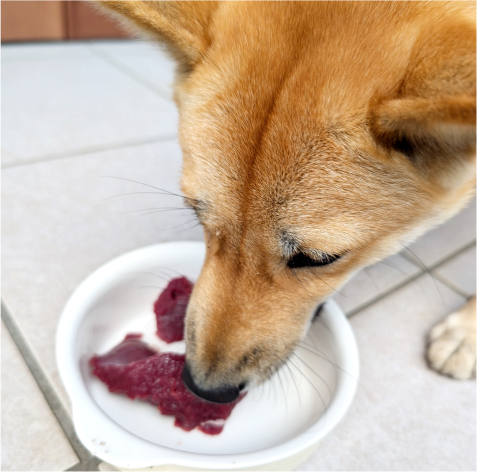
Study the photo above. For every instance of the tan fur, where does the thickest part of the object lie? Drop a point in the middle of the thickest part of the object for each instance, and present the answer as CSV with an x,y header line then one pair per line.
x,y
344,128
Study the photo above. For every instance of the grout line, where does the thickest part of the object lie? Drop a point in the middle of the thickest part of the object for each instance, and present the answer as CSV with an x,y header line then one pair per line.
x,y
46,388
384,294
94,149
456,252
90,464
450,285
131,73
32,57
57,55
407,254
423,270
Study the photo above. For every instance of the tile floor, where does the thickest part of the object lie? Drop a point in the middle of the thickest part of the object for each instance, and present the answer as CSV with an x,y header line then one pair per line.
x,y
76,115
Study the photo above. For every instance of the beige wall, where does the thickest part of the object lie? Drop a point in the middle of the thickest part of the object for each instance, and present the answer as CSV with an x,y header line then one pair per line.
x,y
55,20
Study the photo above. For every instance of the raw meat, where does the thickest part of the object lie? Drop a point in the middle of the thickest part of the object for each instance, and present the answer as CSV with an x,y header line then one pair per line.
x,y
170,309
135,370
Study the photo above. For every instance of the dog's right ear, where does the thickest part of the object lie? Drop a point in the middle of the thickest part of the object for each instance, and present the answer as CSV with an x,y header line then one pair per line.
x,y
431,120
182,26
437,135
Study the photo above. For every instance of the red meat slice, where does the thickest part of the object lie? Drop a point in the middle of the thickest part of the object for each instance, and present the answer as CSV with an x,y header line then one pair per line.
x,y
130,350
170,309
133,369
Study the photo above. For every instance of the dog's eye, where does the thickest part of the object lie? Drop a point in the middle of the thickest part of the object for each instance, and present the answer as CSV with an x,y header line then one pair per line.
x,y
302,260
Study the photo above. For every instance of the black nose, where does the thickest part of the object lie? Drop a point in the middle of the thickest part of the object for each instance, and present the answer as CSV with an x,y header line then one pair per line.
x,y
216,395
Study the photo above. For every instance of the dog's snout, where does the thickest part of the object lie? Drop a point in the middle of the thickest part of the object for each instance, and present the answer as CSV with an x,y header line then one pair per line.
x,y
226,394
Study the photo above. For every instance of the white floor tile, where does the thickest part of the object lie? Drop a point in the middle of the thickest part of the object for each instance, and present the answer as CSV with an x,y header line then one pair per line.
x,y
404,416
146,62
32,439
57,229
158,71
52,107
104,466
45,51
8,158
127,47
460,272
373,281
446,239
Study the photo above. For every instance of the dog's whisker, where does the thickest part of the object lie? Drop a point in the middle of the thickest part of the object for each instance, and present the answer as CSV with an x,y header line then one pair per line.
x,y
152,273
161,211
318,320
182,224
325,404
133,193
407,275
169,268
386,263
269,390
261,391
189,228
166,192
333,363
311,383
292,374
370,278
288,277
262,388
337,291
272,381
316,373
285,364
295,381
164,209
430,274
316,351
163,272
299,281
150,286
284,393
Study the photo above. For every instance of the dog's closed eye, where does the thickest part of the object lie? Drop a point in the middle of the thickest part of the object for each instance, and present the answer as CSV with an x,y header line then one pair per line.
x,y
302,260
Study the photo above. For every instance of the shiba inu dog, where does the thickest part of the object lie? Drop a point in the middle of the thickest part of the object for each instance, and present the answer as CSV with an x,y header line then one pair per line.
x,y
317,138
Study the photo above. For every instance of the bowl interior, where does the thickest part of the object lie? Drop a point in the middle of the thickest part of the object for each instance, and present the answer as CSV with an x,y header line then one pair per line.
x,y
270,414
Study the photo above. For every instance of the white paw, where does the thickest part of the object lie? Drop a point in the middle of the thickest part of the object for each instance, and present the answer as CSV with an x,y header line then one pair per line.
x,y
451,349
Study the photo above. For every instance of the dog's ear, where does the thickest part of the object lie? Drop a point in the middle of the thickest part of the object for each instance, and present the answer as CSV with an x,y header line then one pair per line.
x,y
431,119
182,26
437,135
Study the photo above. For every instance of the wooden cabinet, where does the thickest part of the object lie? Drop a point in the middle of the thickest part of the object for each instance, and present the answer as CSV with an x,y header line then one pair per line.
x,y
25,21
84,22
55,20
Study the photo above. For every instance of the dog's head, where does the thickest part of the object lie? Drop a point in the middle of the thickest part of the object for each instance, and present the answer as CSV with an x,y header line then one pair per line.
x,y
317,137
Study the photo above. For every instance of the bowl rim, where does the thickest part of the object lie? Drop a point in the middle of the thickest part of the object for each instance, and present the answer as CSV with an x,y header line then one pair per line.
x,y
140,453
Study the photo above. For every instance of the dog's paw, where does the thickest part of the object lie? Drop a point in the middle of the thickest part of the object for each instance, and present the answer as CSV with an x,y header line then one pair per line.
x,y
452,345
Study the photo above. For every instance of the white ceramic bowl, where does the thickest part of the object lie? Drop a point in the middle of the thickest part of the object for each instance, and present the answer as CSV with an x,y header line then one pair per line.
x,y
275,427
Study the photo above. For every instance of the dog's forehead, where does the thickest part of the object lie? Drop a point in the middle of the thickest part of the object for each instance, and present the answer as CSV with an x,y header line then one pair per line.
x,y
250,130
286,175
237,145
281,146
261,167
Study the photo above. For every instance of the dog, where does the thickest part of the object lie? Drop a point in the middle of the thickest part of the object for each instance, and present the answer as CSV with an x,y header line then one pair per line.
x,y
318,137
